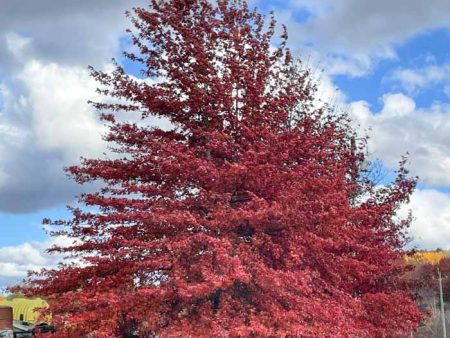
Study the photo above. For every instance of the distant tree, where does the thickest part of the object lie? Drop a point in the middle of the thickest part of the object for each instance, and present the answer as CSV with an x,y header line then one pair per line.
x,y
428,275
250,218
425,277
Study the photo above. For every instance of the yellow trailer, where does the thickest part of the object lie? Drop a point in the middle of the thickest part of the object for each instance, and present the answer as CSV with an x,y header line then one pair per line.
x,y
24,309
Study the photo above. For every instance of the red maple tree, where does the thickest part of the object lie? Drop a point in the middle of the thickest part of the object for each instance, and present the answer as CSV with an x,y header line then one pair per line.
x,y
249,218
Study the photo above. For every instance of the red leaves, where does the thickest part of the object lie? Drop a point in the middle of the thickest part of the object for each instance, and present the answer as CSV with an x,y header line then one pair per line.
x,y
249,218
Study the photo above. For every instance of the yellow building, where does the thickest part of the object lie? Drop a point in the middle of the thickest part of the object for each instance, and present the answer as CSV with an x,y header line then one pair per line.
x,y
24,309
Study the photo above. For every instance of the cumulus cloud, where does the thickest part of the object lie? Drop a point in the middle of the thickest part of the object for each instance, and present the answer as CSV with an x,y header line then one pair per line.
x,y
362,24
17,45
68,32
61,118
430,228
352,35
16,261
400,127
45,121
45,124
415,79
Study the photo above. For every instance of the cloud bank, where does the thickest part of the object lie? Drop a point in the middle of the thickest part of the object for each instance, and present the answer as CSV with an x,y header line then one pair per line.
x,y
400,127
45,121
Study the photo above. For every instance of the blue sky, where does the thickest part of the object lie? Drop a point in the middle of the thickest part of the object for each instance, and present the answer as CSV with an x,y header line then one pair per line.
x,y
387,63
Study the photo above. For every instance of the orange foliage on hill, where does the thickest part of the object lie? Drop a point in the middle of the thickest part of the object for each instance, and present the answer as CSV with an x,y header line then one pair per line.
x,y
426,257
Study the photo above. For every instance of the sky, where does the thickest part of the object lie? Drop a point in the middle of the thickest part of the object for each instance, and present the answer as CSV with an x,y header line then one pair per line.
x,y
385,62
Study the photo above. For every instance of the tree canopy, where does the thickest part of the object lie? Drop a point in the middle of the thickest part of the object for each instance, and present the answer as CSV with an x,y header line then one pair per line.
x,y
250,217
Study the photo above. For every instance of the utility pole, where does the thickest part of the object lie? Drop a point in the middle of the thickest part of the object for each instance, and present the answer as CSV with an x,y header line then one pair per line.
x,y
441,296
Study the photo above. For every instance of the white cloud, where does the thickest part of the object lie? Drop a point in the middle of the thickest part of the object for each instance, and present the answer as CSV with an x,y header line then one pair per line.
x,y
413,80
400,128
24,254
431,227
16,261
78,32
45,124
17,44
48,103
45,121
60,116
397,106
363,24
352,35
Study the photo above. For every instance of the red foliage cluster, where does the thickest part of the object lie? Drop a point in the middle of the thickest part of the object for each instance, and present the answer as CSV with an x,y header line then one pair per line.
x,y
250,218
